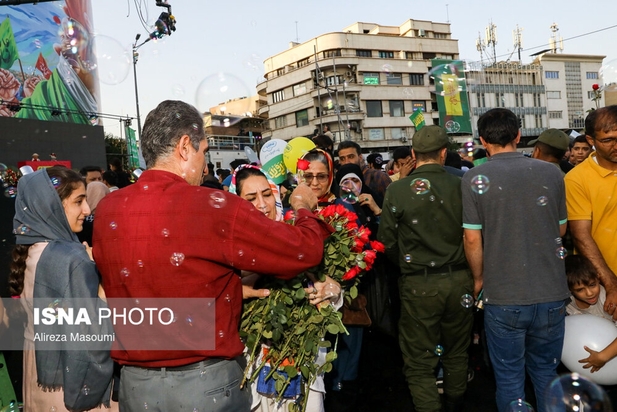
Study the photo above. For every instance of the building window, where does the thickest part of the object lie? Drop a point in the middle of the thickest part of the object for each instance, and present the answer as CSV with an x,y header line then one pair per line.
x,y
280,122
416,79
375,134
538,119
537,102
553,94
413,55
386,55
364,53
334,80
551,74
397,132
332,53
591,94
592,75
371,78
481,99
373,108
500,100
418,105
280,72
397,108
441,35
555,115
303,62
518,97
299,89
302,118
522,121
278,96
394,78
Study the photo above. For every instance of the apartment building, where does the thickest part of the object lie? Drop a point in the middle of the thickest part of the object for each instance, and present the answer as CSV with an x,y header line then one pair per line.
x,y
363,82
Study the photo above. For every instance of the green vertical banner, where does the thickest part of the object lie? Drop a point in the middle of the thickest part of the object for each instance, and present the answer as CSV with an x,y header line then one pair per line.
x,y
451,92
131,147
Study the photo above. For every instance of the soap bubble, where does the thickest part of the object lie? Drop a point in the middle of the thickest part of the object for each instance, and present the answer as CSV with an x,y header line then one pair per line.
x,y
420,186
608,73
348,196
520,406
438,350
447,80
561,252
10,192
467,300
574,393
408,258
222,88
112,60
218,200
176,258
480,184
542,201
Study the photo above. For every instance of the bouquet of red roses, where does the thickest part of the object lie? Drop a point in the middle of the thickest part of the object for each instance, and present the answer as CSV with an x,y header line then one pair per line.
x,y
289,326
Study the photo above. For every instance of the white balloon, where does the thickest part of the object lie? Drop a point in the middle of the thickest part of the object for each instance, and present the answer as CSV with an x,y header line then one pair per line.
x,y
596,333
271,149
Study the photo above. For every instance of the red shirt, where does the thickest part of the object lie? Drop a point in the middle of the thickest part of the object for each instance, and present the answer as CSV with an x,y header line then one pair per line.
x,y
137,229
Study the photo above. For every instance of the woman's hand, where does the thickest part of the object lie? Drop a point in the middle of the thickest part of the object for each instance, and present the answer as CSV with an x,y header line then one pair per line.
x,y
88,250
367,200
248,290
329,290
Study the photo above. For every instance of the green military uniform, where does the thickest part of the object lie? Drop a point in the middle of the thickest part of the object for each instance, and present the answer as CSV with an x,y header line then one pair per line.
x,y
421,227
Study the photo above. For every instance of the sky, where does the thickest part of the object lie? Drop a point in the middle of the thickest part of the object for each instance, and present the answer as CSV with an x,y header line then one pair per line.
x,y
218,49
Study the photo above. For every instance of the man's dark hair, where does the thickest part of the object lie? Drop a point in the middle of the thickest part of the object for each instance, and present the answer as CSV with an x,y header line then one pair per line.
x,y
211,168
579,270
401,153
117,164
324,142
110,177
550,151
165,125
237,162
453,159
428,156
498,126
348,144
580,139
603,119
223,173
84,170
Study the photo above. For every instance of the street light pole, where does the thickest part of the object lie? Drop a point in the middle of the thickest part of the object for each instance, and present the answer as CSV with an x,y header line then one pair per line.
x,y
135,56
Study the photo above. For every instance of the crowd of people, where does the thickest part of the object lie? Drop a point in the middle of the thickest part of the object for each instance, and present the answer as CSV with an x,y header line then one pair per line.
x,y
456,232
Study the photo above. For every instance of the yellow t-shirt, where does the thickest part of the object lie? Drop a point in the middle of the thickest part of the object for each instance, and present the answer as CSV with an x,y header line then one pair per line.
x,y
591,194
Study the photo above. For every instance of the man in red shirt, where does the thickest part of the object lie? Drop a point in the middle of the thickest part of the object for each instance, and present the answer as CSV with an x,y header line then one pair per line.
x,y
167,237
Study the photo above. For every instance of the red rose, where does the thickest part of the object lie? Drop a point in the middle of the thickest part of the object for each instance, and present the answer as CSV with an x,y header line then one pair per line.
x,y
595,86
369,257
357,246
289,215
363,234
377,246
351,225
352,273
328,211
303,164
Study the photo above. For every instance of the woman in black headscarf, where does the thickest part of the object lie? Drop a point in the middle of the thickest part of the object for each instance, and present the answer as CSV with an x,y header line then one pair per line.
x,y
352,190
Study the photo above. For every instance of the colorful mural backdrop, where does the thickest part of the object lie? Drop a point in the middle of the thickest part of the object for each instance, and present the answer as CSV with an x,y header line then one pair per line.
x,y
47,62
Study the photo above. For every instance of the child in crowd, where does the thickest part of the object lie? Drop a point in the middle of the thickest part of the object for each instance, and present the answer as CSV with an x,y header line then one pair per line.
x,y
588,297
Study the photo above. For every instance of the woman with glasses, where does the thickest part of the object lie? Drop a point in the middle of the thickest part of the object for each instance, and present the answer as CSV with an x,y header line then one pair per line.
x,y
319,176
252,184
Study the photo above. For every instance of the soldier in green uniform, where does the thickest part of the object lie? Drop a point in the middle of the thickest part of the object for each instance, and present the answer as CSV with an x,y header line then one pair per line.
x,y
421,227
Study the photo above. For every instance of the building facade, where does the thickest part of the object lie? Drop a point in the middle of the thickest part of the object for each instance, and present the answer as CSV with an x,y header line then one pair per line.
x,y
363,83
569,79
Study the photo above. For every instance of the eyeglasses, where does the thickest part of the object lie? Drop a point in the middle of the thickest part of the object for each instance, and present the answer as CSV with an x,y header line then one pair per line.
x,y
321,177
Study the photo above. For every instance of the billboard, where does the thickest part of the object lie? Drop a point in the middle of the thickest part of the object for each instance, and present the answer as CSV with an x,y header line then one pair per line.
x,y
47,62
